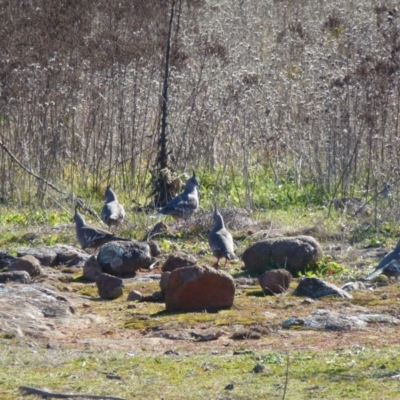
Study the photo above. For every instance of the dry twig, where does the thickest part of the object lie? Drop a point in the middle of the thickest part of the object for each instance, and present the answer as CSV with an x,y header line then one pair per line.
x,y
48,395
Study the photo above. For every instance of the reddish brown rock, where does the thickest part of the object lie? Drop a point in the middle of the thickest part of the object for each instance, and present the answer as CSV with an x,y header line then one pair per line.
x,y
27,263
275,281
164,281
178,260
291,253
197,288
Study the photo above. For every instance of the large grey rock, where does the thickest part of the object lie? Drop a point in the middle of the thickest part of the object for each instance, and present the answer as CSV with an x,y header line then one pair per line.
x,y
37,311
109,287
15,276
198,288
27,263
316,288
291,253
332,321
61,254
124,258
325,320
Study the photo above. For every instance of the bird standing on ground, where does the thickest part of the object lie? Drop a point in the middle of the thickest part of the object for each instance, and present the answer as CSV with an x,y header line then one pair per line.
x,y
184,205
90,236
389,265
221,241
113,212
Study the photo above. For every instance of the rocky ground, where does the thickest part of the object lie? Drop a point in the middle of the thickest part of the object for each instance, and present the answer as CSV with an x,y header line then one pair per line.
x,y
57,310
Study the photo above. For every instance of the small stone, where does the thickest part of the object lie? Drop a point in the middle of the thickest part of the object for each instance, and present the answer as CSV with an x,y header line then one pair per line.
x,y
178,260
259,368
230,386
171,353
154,297
134,295
307,301
109,287
275,281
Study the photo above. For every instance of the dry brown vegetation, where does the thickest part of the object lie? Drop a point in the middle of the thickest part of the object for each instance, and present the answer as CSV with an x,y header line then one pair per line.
x,y
305,90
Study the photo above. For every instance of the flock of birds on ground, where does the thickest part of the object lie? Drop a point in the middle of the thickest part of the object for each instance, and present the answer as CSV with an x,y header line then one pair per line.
x,y
184,206
180,207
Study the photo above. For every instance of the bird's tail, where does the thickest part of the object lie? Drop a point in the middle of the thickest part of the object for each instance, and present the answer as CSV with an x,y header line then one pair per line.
x,y
374,274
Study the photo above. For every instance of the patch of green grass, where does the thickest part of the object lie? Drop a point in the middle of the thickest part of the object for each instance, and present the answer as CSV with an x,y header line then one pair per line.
x,y
325,267
33,216
8,237
356,373
236,315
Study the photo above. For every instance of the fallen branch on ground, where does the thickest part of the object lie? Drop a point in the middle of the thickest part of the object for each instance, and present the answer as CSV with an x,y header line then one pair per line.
x,y
49,395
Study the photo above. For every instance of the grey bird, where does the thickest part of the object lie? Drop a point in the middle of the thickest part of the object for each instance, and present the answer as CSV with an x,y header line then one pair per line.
x,y
113,212
90,236
184,205
389,265
220,240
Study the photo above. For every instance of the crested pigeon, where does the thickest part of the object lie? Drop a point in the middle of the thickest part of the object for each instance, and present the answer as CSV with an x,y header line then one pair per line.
x,y
90,236
113,212
184,205
389,265
220,240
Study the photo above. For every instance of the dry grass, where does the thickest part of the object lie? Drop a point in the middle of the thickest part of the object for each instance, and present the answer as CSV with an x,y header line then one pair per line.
x,y
301,92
